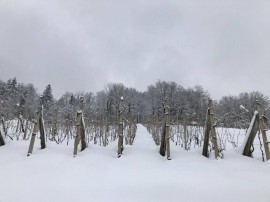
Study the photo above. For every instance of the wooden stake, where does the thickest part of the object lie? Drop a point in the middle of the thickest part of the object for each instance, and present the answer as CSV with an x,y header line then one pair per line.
x,y
213,129
165,136
120,128
2,142
263,129
39,126
34,133
80,130
206,135
210,128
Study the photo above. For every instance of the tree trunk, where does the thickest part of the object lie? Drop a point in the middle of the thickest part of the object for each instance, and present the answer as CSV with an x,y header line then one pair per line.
x,y
21,124
26,129
54,126
18,124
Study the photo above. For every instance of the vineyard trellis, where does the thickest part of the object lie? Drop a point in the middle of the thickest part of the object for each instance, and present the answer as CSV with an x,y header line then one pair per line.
x,y
107,117
258,124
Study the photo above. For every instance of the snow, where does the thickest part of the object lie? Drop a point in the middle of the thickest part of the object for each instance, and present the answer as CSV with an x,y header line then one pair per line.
x,y
242,107
141,174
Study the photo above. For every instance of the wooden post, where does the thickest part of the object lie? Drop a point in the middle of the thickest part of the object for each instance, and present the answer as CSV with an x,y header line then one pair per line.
x,y
213,129
4,126
251,133
258,123
106,125
34,133
39,126
210,128
120,128
167,122
2,142
263,129
162,149
185,134
83,142
78,133
165,136
80,130
206,135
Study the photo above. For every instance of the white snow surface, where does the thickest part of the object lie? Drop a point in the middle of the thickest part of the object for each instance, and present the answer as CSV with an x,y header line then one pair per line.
x,y
141,174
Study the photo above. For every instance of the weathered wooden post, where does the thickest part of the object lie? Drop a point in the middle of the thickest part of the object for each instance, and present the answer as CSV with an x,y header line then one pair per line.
x,y
258,122
185,133
106,141
210,127
263,129
121,127
80,130
4,126
165,137
2,141
38,127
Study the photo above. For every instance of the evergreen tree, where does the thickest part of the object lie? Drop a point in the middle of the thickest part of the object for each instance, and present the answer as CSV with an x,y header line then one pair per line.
x,y
47,94
48,102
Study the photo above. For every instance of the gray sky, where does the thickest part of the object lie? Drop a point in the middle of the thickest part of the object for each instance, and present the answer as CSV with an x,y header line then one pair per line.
x,y
82,45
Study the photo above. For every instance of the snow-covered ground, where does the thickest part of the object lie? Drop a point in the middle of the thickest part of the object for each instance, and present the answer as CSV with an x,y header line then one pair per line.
x,y
141,174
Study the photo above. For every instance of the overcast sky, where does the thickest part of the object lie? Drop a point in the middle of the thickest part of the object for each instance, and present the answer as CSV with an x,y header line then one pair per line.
x,y
82,45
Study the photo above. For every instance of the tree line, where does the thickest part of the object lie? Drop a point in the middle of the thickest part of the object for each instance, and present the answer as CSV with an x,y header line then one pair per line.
x,y
186,104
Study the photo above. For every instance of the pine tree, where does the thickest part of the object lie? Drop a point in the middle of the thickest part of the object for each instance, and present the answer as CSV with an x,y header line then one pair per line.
x,y
47,97
48,102
47,94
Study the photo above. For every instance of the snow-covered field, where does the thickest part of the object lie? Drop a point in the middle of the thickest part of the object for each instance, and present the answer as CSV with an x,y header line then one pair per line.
x,y
141,174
